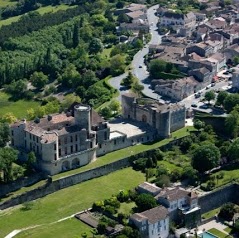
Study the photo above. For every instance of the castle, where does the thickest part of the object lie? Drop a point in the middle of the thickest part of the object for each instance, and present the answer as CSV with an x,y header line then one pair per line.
x,y
69,140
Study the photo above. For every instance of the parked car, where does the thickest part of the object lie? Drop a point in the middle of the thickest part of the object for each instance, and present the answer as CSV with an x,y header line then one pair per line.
x,y
194,105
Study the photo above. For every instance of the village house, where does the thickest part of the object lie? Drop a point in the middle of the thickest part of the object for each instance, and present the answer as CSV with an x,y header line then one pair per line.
x,y
181,204
202,75
235,78
178,89
152,223
133,7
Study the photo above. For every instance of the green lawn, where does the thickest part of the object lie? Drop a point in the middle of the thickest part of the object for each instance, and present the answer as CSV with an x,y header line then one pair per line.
x,y
65,203
211,213
106,52
126,208
18,108
168,165
41,10
231,173
218,233
228,230
72,227
120,154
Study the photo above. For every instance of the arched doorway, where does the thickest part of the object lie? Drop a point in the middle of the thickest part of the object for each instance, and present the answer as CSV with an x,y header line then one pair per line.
x,y
75,163
65,165
144,118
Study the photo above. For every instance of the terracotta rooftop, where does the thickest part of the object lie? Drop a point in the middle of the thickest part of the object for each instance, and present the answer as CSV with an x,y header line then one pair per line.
x,y
153,215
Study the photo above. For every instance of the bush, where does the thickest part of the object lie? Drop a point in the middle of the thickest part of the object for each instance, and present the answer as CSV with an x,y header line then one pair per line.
x,y
140,164
123,196
227,211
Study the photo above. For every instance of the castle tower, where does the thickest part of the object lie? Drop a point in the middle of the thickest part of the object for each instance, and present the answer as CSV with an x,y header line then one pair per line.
x,y
82,114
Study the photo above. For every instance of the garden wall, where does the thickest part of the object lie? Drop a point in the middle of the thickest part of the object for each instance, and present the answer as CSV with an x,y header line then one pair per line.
x,y
219,197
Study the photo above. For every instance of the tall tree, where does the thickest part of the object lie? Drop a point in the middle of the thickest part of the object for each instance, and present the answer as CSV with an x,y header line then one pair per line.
x,y
205,157
7,157
76,39
4,134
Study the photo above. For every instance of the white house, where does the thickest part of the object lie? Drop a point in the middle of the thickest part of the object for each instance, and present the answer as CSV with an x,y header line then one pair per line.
x,y
153,223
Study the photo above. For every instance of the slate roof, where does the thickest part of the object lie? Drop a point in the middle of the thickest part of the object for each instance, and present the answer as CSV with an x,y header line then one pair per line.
x,y
153,215
172,194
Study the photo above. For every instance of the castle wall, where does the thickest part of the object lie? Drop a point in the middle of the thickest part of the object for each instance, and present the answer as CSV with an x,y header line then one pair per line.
x,y
68,162
17,135
177,119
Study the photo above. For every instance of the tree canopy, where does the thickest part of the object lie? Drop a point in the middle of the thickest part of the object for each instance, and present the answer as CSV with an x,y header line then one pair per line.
x,y
205,157
145,201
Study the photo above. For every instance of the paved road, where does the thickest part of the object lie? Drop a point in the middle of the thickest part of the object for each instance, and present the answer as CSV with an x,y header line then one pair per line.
x,y
138,61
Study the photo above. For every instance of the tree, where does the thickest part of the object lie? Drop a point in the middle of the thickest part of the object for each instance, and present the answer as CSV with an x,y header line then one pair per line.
x,y
230,102
227,211
4,134
8,118
137,88
69,99
233,151
117,64
123,18
31,161
210,95
205,157
232,123
7,157
106,112
39,80
198,124
17,89
95,46
221,97
129,80
75,38
163,181
145,202
114,106
155,67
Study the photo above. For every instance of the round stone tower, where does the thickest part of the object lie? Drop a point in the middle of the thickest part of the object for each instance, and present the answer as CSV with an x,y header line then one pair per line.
x,y
82,116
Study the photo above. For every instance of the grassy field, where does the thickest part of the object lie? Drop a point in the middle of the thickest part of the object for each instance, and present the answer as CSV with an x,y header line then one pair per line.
x,y
126,208
65,203
120,154
4,3
72,227
41,10
18,108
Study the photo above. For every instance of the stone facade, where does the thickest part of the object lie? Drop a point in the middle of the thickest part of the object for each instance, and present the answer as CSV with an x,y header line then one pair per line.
x,y
163,118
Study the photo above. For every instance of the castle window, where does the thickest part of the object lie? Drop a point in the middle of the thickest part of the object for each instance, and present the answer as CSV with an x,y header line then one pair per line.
x,y
59,151
76,148
114,142
55,157
33,137
72,149
76,137
54,146
91,145
12,142
30,146
30,136
65,150
12,133
37,139
105,135
59,142
71,138
100,146
65,140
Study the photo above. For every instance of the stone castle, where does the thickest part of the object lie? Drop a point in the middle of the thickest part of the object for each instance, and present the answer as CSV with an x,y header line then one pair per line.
x,y
73,139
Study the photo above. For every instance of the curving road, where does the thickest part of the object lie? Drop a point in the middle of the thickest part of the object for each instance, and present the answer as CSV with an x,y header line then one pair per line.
x,y
139,68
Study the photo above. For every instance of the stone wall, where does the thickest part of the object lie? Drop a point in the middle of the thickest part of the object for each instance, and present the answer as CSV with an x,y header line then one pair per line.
x,y
219,197
54,186
22,182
